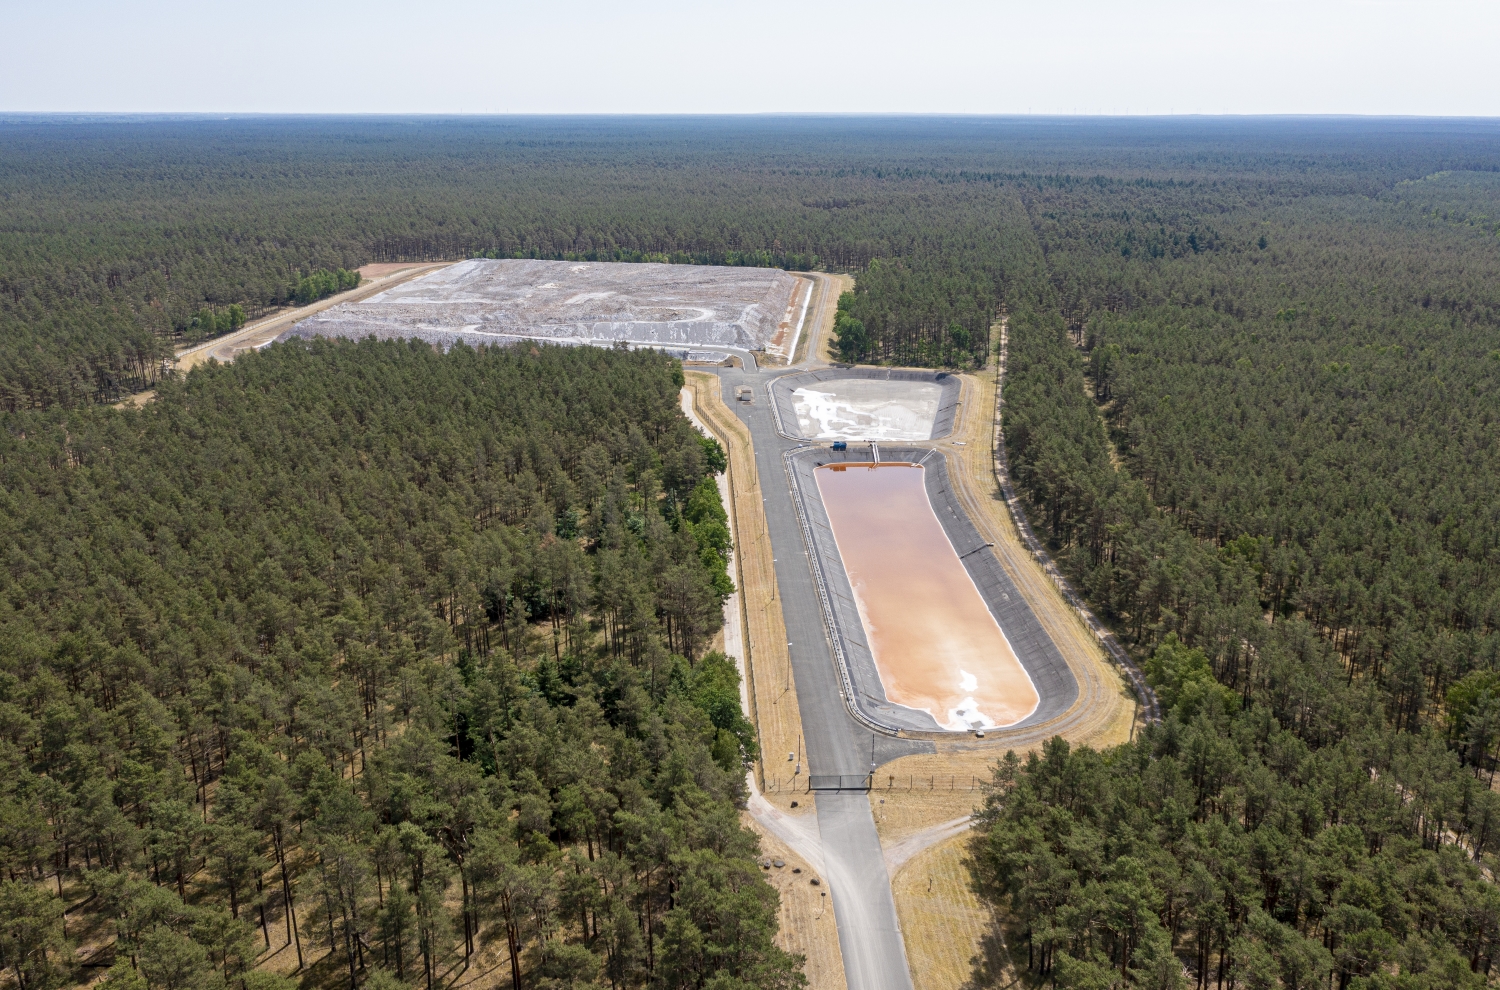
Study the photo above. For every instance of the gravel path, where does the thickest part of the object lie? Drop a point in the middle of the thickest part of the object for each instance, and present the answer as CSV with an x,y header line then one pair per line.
x,y
898,854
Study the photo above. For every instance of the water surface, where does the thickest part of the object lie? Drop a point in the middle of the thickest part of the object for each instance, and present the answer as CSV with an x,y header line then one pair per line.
x,y
936,645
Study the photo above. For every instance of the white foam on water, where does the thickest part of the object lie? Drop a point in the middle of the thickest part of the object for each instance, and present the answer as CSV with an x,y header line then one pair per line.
x,y
967,714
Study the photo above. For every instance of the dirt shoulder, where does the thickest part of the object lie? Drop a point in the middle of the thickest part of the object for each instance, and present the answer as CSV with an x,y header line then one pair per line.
x,y
773,691
916,800
927,789
262,332
819,336
1103,692
255,335
945,925
807,920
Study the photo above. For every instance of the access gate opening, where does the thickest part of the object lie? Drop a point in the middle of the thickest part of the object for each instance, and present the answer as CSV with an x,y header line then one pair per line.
x,y
838,782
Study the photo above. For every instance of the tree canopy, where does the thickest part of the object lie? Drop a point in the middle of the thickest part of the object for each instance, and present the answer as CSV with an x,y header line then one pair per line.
x,y
1250,404
385,654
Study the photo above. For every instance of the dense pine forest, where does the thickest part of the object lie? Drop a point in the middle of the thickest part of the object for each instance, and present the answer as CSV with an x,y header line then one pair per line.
x,y
1256,416
115,233
420,643
416,644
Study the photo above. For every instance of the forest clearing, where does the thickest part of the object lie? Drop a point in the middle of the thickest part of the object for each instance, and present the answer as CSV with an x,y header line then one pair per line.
x,y
368,663
261,333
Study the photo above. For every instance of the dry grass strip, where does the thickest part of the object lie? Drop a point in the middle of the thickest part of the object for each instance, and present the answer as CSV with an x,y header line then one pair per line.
x,y
945,926
806,923
773,694
1100,682
917,792
830,287
1105,706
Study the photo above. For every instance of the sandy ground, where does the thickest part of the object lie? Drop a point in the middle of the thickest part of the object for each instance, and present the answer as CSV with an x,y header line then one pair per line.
x,y
825,306
806,919
928,791
772,696
786,342
919,802
1103,692
137,400
260,333
380,269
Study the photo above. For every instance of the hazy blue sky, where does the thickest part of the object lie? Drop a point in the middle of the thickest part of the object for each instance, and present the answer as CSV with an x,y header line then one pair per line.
x,y
1045,56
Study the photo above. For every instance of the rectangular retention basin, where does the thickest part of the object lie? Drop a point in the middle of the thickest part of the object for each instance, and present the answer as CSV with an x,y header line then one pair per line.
x,y
936,646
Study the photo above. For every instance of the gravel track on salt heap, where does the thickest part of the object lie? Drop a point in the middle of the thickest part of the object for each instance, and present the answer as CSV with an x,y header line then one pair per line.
x,y
496,302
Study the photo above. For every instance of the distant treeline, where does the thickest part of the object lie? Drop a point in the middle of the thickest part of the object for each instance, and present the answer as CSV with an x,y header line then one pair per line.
x,y
1251,402
114,235
746,259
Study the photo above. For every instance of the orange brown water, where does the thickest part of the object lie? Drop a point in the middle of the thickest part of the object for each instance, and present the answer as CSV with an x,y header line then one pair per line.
x,y
936,645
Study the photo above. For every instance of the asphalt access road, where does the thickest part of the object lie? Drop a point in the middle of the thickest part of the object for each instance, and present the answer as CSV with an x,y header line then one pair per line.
x,y
853,863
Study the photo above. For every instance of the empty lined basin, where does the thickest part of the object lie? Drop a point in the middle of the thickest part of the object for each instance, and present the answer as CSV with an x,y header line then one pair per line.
x,y
867,409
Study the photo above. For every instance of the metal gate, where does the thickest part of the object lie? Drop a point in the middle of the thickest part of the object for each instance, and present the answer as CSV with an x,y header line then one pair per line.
x,y
838,782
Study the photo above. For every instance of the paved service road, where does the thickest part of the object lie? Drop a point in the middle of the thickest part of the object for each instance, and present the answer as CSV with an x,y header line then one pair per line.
x,y
869,934
853,863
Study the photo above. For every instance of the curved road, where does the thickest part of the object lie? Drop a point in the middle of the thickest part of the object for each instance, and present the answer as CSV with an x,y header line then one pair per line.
x,y
857,869
853,862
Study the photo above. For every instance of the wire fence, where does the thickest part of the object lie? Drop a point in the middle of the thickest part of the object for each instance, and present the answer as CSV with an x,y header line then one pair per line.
x,y
942,783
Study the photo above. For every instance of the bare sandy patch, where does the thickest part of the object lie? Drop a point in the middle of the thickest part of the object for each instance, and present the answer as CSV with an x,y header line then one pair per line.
x,y
773,691
806,921
380,269
830,288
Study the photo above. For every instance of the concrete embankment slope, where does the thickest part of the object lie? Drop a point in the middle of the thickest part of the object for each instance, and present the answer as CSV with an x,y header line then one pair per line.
x,y
1043,662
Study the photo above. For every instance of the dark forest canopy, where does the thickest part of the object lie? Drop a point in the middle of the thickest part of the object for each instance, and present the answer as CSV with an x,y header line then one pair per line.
x,y
115,232
415,642
1252,402
1257,422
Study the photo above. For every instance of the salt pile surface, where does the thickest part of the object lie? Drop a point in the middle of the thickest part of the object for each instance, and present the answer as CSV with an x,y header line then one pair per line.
x,y
483,301
867,409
